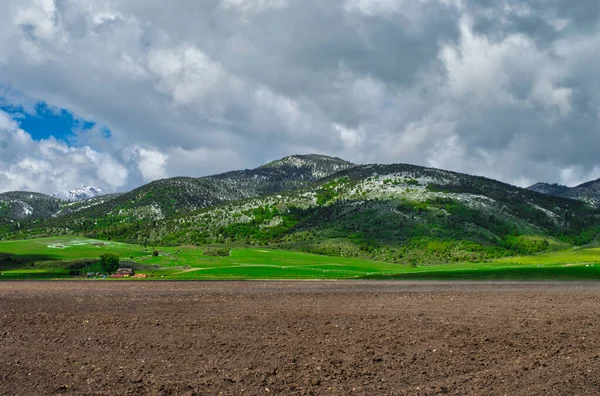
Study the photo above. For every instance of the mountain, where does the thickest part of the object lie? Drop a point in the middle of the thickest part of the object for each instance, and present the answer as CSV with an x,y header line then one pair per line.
x,y
79,194
317,165
25,205
588,192
71,207
167,197
397,213
550,189
20,205
288,173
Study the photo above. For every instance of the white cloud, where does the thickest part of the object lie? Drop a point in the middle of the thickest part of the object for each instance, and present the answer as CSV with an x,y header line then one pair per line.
x,y
485,71
254,5
413,10
351,137
50,165
497,88
6,122
184,162
151,164
186,73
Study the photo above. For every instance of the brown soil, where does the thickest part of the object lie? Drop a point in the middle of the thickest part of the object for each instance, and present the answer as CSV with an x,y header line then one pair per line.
x,y
322,338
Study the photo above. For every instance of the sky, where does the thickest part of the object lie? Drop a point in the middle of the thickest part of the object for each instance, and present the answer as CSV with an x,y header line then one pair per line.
x,y
117,93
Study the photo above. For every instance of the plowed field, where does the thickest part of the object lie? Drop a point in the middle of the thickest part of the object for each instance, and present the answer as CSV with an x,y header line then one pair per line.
x,y
322,338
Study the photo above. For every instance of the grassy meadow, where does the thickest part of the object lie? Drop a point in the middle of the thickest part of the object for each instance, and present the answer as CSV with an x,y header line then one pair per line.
x,y
65,257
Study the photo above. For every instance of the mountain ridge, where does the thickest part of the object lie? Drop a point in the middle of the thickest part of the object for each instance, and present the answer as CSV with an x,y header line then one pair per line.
x,y
164,197
398,213
549,189
588,192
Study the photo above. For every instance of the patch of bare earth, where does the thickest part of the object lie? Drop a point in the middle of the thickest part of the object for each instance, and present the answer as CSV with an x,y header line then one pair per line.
x,y
299,338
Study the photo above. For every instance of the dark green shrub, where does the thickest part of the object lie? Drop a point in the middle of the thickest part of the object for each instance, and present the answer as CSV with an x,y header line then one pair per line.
x,y
109,262
217,252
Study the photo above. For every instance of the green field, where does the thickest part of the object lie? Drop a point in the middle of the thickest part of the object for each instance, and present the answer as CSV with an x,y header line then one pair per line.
x,y
65,257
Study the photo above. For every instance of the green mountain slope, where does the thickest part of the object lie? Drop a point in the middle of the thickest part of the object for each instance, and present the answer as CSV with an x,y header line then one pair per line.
x,y
396,213
22,205
68,208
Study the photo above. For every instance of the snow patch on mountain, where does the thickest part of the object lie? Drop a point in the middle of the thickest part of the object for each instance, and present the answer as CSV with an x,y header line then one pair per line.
x,y
79,194
17,209
547,212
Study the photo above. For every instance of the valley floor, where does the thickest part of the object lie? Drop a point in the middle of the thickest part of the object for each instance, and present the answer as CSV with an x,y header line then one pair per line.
x,y
75,257
344,337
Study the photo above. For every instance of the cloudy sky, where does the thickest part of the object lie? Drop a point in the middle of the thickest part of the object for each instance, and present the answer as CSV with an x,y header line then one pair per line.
x,y
117,93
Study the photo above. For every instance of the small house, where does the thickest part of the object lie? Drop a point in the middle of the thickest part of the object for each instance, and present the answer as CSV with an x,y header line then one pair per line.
x,y
125,272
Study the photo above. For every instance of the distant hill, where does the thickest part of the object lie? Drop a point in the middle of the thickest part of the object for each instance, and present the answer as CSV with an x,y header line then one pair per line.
x,y
588,192
25,205
67,208
550,189
21,205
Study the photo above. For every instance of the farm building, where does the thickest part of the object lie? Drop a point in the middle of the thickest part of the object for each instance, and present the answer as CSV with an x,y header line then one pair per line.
x,y
125,272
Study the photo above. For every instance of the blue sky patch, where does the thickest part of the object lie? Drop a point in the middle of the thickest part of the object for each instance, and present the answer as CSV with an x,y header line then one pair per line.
x,y
48,121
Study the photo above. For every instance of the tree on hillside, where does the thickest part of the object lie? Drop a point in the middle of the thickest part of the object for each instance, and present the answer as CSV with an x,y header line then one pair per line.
x,y
109,262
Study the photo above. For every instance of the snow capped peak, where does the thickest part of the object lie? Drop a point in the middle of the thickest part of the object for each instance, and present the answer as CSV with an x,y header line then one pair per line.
x,y
79,194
